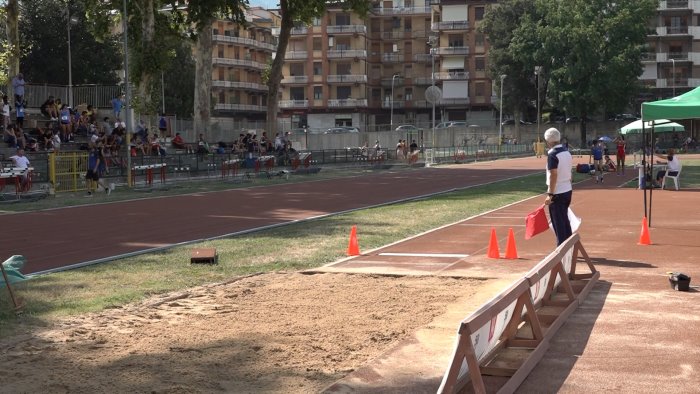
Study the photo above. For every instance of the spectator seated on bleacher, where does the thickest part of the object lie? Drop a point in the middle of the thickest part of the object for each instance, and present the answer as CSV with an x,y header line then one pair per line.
x,y
202,145
9,136
21,161
179,143
49,109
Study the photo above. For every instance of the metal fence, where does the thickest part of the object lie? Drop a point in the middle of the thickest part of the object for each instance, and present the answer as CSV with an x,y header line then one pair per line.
x,y
99,96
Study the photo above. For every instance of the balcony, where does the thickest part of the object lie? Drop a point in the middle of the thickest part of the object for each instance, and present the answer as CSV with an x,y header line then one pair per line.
x,y
401,11
240,107
674,83
386,82
422,81
243,41
392,57
294,104
222,61
240,85
422,58
447,75
678,56
347,29
648,56
674,5
347,103
451,25
455,101
394,35
347,79
387,103
347,54
296,55
453,50
671,30
297,31
419,34
296,79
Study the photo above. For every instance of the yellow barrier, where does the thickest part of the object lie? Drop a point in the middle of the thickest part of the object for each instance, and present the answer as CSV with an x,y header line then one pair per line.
x,y
67,171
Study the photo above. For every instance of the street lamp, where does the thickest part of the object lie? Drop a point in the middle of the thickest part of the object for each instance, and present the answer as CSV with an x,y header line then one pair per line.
x,y
393,77
127,95
673,76
71,20
500,123
538,71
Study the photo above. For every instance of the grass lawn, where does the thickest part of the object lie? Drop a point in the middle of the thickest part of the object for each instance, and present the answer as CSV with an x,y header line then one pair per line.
x,y
293,247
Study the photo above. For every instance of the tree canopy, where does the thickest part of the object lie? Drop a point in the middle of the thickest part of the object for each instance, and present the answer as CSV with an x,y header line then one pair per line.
x,y
589,50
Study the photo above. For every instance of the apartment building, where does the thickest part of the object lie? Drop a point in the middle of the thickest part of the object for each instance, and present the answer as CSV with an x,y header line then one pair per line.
x,y
239,58
374,73
673,50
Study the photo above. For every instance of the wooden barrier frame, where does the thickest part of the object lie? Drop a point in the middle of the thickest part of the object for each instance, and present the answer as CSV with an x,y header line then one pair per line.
x,y
520,321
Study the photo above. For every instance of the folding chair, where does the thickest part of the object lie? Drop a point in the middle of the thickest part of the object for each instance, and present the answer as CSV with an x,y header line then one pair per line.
x,y
674,177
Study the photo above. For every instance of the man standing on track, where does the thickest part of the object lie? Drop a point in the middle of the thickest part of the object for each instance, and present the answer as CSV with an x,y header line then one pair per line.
x,y
559,188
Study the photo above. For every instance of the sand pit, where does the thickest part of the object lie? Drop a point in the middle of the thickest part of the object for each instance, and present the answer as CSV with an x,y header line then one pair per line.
x,y
279,332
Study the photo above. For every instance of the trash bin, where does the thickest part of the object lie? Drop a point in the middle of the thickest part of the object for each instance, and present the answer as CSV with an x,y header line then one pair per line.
x,y
679,281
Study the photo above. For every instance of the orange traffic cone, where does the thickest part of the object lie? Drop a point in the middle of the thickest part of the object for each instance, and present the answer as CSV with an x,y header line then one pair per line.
x,y
353,246
511,250
644,238
493,251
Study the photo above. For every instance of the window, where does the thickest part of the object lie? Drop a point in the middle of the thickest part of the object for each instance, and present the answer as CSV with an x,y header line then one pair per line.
x,y
479,64
479,89
297,93
220,51
296,69
222,97
478,13
318,92
455,40
376,93
408,71
318,68
215,31
409,94
344,68
318,44
317,21
343,92
342,19
479,39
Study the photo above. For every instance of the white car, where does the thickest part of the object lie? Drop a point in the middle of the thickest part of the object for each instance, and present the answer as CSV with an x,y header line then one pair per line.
x,y
407,128
342,129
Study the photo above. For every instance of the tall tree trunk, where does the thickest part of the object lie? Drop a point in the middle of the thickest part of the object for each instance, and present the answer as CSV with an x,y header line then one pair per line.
x,y
202,79
12,30
276,71
148,27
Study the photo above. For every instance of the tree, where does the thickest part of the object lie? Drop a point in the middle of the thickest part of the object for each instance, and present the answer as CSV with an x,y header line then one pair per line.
x,y
295,12
44,28
201,15
179,81
589,50
11,48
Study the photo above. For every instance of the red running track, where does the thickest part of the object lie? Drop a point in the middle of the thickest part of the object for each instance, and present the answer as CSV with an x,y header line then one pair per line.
x,y
51,239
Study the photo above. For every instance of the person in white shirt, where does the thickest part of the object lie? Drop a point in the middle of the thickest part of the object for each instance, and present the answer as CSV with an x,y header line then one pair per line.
x,y
559,189
673,165
22,162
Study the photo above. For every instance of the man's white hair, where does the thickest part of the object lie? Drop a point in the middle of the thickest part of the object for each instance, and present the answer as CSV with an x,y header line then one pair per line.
x,y
552,135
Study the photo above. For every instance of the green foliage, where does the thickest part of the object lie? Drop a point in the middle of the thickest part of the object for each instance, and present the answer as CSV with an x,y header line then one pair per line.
x,y
179,81
590,51
45,48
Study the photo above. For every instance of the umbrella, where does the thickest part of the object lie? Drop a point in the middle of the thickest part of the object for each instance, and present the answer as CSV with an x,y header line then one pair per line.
x,y
660,126
605,138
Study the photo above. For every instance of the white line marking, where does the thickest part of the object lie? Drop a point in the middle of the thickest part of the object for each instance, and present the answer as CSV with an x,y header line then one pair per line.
x,y
491,225
425,255
504,217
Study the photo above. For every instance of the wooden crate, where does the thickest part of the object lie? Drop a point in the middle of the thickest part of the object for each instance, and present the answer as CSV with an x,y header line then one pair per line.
x,y
204,256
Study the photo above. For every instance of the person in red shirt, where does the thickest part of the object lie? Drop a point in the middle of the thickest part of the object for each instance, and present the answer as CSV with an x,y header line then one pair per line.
x,y
179,143
620,142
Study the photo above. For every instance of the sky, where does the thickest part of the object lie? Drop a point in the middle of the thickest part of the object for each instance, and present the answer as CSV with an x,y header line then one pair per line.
x,y
265,3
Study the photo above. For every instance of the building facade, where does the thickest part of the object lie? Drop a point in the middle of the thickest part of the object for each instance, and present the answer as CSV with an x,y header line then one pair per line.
x,y
375,73
239,58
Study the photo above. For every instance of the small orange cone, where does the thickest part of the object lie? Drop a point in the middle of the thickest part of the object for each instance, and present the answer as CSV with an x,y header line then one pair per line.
x,y
353,246
493,251
511,250
644,238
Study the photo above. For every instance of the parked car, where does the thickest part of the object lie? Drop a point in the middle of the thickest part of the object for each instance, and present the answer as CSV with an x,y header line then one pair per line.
x,y
342,129
407,128
512,122
453,123
576,119
620,117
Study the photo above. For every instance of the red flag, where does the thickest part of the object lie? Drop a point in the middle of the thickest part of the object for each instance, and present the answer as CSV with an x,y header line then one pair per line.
x,y
536,222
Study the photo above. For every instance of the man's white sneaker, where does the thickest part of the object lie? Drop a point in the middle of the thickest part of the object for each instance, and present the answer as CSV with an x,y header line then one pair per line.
x,y
108,190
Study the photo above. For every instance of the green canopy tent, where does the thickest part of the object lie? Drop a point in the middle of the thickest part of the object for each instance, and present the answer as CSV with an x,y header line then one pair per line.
x,y
685,106
659,126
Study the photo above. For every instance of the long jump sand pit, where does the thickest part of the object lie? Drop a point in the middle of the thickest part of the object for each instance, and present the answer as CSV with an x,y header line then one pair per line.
x,y
277,332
